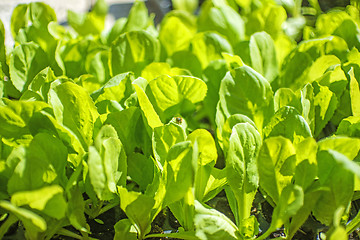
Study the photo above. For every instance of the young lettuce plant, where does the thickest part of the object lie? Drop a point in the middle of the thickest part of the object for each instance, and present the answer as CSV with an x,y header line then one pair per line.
x,y
242,173
168,186
303,178
209,181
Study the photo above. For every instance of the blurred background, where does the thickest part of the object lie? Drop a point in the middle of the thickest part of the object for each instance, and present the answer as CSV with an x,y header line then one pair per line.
x,y
117,9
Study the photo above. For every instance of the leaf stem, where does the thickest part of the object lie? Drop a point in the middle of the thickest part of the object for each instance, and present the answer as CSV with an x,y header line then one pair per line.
x,y
266,234
71,234
109,206
354,224
7,224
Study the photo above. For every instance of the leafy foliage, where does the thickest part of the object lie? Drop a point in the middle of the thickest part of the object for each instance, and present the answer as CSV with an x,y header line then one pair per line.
x,y
247,98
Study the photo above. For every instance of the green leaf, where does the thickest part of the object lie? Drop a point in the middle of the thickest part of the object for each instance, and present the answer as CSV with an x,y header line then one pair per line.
x,y
43,164
40,85
187,5
35,14
294,71
4,66
141,169
138,18
321,65
276,163
350,127
124,230
116,30
164,137
184,210
74,108
49,200
15,117
33,223
336,18
241,167
175,95
176,31
308,105
245,91
26,61
333,166
249,227
76,204
206,160
338,234
43,122
211,224
138,208
269,18
325,103
291,201
354,94
97,64
225,130
341,25
310,199
58,31
186,60
206,146
2,88
287,122
263,55
71,56
215,184
297,67
209,46
89,23
107,163
336,80
212,75
349,147
151,117
219,17
119,89
306,163
31,25
129,127
132,51
156,69
286,97
180,167
188,235
232,61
